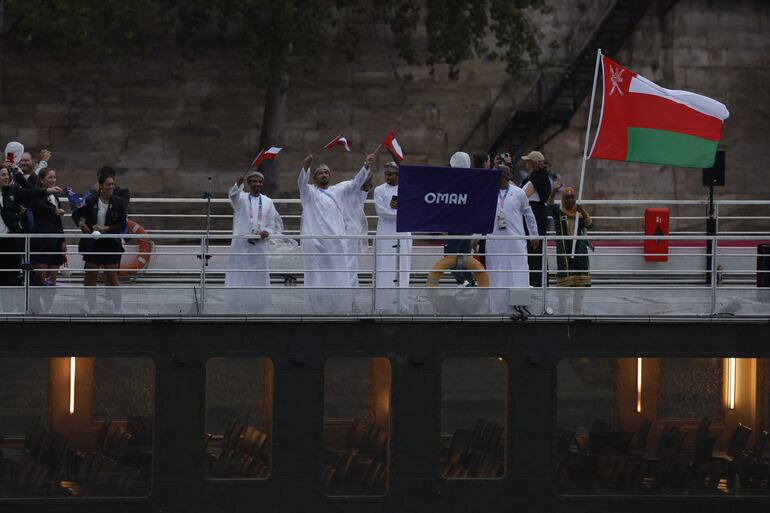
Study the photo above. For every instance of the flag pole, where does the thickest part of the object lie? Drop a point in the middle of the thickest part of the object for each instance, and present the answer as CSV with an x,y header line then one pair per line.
x,y
585,149
380,146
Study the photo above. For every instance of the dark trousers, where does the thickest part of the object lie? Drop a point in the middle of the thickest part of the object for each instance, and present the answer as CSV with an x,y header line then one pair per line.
x,y
461,247
535,256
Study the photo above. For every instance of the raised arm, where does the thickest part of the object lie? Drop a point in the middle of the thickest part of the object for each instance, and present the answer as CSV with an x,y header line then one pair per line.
x,y
302,179
235,192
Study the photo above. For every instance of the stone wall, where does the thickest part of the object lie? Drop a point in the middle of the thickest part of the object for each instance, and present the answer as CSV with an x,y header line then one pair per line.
x,y
717,48
167,123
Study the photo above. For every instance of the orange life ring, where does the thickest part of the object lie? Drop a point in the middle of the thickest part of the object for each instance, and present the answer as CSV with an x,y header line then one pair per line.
x,y
133,264
449,262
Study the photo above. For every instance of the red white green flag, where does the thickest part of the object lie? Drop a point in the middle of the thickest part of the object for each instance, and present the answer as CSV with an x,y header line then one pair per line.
x,y
643,122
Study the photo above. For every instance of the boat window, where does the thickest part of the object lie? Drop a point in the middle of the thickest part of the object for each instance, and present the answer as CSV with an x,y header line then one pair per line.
x,y
661,426
76,427
356,426
473,417
239,418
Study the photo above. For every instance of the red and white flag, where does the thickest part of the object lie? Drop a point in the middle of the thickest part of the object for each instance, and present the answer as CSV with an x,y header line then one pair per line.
x,y
338,141
391,144
268,154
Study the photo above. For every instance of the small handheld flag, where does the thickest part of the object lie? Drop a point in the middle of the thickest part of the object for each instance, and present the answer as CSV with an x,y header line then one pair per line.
x,y
75,201
268,154
338,141
392,145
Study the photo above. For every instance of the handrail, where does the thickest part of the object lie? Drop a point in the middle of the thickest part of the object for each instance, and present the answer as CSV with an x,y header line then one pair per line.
x,y
178,282
297,201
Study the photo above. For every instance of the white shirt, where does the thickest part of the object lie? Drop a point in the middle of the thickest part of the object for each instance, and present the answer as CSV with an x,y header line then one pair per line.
x,y
101,216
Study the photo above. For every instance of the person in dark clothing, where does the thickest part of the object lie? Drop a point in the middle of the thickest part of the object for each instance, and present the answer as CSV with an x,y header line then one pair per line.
x,y
537,187
119,191
460,248
480,161
103,213
12,200
47,254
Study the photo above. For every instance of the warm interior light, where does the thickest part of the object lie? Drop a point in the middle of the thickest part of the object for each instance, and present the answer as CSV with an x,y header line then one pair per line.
x,y
731,383
638,385
72,384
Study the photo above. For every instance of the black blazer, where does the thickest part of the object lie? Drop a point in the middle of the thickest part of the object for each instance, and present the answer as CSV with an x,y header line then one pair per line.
x,y
15,197
26,183
45,218
116,220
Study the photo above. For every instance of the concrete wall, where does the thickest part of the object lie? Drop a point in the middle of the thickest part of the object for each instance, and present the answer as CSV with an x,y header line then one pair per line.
x,y
167,123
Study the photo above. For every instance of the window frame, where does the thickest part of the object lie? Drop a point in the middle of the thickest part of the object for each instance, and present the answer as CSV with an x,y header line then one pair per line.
x,y
507,457
391,358
152,492
241,481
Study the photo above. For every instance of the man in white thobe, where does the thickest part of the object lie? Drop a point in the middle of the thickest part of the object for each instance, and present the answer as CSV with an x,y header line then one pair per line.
x,y
389,279
356,224
327,277
507,259
254,215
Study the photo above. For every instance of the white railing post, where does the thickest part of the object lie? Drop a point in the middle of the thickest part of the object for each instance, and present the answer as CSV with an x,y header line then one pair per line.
x,y
374,275
26,265
544,284
204,258
713,275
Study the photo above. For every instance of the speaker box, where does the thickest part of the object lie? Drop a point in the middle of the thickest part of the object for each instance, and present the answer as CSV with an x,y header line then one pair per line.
x,y
715,175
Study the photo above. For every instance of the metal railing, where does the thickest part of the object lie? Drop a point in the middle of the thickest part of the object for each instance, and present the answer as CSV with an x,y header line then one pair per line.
x,y
187,277
612,217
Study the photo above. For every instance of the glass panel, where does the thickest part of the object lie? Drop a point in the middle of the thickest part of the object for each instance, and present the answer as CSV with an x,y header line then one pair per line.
x,y
473,413
356,426
238,420
585,389
52,444
679,399
658,426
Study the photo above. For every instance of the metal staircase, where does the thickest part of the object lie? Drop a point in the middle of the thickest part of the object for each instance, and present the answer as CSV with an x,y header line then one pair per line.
x,y
547,109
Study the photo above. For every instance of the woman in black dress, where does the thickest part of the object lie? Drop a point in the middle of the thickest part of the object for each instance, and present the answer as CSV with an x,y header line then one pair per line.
x,y
537,187
103,213
47,254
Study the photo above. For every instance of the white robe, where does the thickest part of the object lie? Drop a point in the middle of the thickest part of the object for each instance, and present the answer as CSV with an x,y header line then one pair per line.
x,y
387,298
516,209
326,267
355,224
253,257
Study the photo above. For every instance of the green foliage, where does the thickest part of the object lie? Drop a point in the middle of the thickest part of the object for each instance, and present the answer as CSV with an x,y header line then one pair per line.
x,y
269,33
76,28
458,30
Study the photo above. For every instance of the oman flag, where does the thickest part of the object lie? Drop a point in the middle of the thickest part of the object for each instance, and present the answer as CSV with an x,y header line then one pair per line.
x,y
339,141
268,154
392,145
643,122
